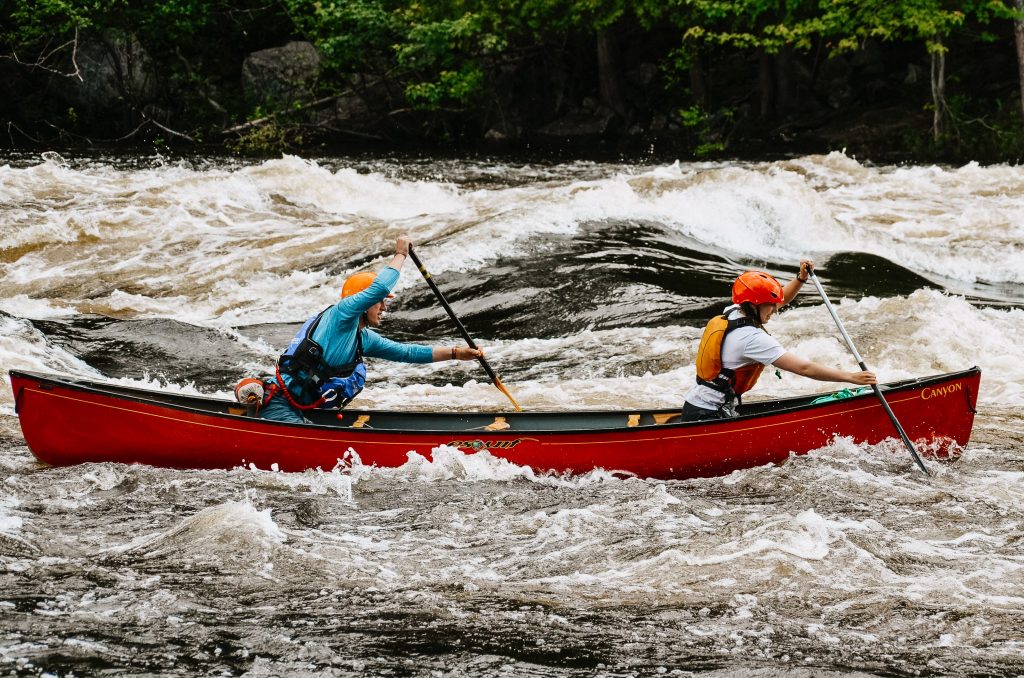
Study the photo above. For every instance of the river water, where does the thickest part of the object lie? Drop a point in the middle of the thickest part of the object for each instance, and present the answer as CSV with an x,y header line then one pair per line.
x,y
588,284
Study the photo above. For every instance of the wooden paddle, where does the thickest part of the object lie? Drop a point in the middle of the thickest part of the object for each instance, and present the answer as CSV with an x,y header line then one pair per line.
x,y
462,329
860,361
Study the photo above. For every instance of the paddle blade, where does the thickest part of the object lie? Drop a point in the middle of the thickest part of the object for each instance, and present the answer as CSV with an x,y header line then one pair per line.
x,y
501,387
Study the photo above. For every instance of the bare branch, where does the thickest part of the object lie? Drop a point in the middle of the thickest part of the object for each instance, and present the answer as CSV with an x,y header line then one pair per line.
x,y
267,118
165,128
45,56
12,126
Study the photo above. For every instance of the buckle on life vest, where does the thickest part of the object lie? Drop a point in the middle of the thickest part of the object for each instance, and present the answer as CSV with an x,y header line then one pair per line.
x,y
722,383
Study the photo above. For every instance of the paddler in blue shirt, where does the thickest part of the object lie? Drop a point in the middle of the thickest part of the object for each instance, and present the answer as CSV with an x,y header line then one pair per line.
x,y
323,365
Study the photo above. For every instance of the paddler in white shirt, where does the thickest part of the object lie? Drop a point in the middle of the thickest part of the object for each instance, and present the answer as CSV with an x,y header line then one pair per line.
x,y
735,348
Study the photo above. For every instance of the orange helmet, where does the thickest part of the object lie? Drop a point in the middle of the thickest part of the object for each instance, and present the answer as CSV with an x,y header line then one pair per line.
x,y
757,288
356,283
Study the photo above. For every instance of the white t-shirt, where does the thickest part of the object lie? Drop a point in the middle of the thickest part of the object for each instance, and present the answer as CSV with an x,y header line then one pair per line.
x,y
743,346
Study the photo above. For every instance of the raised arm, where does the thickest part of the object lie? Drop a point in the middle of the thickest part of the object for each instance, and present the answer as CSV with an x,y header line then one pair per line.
x,y
794,285
401,252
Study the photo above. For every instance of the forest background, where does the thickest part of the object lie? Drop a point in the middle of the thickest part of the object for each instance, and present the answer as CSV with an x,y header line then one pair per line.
x,y
886,80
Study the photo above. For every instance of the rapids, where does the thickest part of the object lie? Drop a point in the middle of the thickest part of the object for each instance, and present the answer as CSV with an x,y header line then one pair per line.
x,y
588,285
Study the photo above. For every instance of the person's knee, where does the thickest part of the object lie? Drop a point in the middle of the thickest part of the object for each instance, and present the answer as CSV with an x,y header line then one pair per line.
x,y
275,411
692,412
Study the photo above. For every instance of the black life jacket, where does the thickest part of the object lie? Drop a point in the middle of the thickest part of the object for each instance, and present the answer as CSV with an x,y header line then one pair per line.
x,y
314,383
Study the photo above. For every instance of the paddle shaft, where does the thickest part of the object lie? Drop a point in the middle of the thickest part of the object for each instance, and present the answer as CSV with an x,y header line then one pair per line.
x,y
458,323
860,361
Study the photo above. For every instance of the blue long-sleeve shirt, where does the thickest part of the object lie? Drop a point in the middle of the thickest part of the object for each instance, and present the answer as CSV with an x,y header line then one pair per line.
x,y
337,330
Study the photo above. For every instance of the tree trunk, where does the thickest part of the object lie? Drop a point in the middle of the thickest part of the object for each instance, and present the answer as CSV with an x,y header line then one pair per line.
x,y
786,96
1018,34
766,83
938,59
609,79
699,81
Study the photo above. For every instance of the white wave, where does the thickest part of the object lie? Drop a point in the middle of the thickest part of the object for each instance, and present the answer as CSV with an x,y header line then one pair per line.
x,y
22,347
347,192
337,481
23,306
927,332
448,463
259,243
236,530
10,525
942,222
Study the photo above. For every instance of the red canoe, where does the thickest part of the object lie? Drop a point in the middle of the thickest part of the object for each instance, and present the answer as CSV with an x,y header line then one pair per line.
x,y
71,421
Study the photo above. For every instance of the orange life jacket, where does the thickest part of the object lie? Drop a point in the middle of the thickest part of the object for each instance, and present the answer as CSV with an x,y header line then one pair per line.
x,y
710,372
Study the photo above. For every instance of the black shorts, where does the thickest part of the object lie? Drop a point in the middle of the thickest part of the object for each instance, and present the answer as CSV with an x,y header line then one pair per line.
x,y
693,413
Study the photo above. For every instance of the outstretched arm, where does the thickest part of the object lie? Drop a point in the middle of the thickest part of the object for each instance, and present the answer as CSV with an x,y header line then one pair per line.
x,y
376,346
806,368
456,353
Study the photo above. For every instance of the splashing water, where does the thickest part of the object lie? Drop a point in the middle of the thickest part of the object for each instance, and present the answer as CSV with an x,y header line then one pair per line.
x,y
588,284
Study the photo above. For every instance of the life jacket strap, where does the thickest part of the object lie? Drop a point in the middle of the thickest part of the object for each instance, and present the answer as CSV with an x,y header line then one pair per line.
x,y
722,383
280,387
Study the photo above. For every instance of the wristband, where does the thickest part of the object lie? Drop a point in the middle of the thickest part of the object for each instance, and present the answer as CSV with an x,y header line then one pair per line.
x,y
454,357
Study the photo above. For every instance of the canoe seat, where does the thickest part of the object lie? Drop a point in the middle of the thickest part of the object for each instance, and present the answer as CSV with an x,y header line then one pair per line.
x,y
361,421
664,418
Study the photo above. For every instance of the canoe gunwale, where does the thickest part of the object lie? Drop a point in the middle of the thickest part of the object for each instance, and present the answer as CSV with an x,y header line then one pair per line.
x,y
216,407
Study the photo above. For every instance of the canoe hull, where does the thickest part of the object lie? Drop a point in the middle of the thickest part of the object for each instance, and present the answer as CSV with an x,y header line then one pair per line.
x,y
68,421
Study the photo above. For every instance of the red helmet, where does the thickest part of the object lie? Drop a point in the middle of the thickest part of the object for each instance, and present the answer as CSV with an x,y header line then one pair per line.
x,y
757,288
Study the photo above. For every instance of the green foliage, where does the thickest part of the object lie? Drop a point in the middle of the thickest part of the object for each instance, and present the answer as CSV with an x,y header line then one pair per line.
x,y
843,25
708,149
265,140
176,20
446,55
459,86
34,21
351,35
42,21
692,116
707,133
442,59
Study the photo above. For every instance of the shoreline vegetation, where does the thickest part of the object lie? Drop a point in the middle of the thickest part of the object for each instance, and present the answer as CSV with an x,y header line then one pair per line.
x,y
884,80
